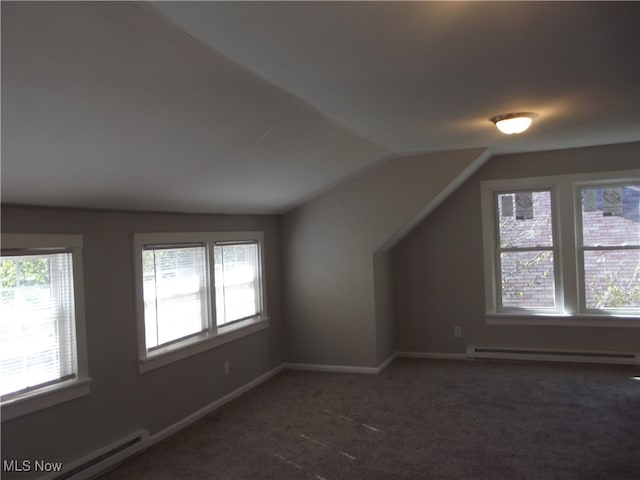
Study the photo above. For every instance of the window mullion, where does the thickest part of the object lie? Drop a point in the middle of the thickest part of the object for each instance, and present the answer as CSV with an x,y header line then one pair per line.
x,y
497,264
610,247
564,229
257,280
211,285
57,279
550,248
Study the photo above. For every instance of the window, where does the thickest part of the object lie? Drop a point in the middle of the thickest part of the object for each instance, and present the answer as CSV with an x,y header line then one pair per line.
x,y
237,286
609,250
563,249
526,251
196,291
42,348
175,293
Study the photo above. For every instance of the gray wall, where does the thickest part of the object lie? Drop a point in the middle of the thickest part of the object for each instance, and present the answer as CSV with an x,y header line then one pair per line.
x,y
121,399
328,256
438,268
384,306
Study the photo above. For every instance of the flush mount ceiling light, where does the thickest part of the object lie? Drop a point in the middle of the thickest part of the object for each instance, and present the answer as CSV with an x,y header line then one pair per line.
x,y
510,123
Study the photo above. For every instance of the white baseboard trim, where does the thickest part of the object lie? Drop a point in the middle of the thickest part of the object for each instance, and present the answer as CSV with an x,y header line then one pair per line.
x,y
331,368
372,370
387,362
197,415
312,367
433,355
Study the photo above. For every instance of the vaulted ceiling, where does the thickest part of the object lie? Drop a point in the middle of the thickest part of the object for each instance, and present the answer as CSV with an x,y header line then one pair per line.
x,y
243,107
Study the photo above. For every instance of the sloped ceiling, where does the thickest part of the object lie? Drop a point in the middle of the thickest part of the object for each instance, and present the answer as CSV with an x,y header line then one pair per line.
x,y
242,107
427,76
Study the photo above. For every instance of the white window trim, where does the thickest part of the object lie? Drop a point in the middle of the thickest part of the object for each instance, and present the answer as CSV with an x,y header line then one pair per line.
x,y
50,395
566,217
580,246
214,336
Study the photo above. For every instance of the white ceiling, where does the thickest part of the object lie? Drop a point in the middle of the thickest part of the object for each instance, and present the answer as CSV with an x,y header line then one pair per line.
x,y
425,76
243,107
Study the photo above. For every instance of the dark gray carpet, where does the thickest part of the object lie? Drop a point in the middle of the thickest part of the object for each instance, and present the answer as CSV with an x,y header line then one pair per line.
x,y
419,419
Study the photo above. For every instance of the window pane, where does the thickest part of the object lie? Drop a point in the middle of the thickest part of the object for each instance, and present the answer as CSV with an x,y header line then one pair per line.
x,y
524,219
175,293
612,278
237,281
611,215
37,341
527,279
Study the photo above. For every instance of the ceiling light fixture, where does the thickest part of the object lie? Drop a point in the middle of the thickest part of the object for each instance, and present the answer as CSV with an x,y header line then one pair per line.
x,y
510,123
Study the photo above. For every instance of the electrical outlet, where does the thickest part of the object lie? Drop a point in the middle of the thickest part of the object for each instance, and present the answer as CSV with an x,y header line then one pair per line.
x,y
457,331
226,367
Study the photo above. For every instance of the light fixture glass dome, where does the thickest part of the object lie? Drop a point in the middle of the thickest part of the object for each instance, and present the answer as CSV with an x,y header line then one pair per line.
x,y
513,123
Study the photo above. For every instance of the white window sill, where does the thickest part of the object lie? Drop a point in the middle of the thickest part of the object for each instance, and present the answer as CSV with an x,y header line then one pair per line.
x,y
563,320
45,397
193,346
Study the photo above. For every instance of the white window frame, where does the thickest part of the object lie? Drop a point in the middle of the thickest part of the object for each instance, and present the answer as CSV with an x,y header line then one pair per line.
x,y
554,249
79,386
566,218
213,336
581,248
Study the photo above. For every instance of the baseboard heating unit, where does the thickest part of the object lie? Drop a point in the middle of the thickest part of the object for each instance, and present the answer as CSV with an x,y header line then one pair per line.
x,y
102,459
500,353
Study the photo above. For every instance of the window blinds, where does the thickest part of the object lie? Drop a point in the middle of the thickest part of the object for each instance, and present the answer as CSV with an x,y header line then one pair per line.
x,y
175,293
237,271
37,322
